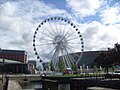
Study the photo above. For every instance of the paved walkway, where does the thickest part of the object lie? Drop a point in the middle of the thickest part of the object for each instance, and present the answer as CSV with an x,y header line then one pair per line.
x,y
14,85
1,85
99,88
28,89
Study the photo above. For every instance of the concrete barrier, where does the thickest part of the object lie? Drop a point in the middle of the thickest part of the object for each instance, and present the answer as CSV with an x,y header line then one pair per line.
x,y
84,83
49,84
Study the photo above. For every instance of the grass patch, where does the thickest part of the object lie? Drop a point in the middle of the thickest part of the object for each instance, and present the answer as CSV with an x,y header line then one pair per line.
x,y
78,75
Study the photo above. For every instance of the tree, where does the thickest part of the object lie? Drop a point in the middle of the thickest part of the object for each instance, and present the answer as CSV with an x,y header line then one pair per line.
x,y
109,58
61,66
74,67
104,60
51,66
117,53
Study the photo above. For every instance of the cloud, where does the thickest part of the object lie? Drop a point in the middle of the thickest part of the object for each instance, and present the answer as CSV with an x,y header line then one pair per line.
x,y
111,15
97,36
83,8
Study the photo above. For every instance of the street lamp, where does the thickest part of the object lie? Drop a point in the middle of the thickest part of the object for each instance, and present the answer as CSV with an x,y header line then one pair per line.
x,y
3,69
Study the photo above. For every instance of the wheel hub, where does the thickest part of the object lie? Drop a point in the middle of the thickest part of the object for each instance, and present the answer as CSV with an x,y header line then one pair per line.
x,y
59,40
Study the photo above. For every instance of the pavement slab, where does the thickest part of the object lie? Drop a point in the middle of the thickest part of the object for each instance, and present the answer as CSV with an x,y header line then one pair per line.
x,y
14,85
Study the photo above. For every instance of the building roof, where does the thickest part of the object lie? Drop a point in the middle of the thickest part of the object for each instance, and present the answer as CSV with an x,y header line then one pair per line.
x,y
8,61
88,57
6,50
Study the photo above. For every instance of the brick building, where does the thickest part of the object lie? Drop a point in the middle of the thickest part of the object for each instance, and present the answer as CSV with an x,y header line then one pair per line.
x,y
17,55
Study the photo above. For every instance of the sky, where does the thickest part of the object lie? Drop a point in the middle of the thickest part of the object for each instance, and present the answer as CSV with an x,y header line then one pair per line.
x,y
97,20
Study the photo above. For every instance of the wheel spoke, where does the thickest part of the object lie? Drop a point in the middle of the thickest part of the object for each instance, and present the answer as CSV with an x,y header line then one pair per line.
x,y
55,56
40,38
72,38
69,56
49,31
75,48
64,35
73,43
44,44
49,53
73,52
55,24
70,35
45,49
64,29
47,35
53,30
56,53
60,28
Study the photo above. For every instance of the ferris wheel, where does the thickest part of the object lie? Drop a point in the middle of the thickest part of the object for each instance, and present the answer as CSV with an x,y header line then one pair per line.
x,y
56,39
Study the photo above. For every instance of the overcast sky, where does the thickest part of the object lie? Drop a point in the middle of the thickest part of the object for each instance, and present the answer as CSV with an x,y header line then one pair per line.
x,y
98,21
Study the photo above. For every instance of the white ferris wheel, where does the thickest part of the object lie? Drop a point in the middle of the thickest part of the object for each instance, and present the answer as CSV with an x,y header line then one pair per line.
x,y
56,39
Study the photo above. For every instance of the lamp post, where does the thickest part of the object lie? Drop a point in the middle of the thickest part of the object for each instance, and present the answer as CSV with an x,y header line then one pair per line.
x,y
3,70
3,74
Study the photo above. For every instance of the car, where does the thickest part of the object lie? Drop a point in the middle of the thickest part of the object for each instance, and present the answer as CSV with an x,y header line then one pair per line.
x,y
68,71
